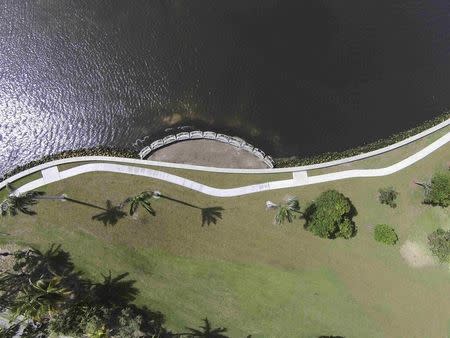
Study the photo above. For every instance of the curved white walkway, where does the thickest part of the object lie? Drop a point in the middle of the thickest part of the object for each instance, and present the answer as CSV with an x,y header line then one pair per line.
x,y
50,164
299,178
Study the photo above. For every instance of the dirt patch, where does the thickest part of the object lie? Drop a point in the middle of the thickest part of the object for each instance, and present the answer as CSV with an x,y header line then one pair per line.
x,y
7,262
208,153
416,255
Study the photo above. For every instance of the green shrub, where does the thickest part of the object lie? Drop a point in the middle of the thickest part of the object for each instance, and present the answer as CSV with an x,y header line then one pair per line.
x,y
439,243
388,196
385,234
330,216
438,191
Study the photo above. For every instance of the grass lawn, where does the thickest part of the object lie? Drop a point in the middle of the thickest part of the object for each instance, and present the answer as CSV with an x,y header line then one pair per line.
x,y
249,275
29,178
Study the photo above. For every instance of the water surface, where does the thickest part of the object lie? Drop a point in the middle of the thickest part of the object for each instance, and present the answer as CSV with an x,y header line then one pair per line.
x,y
292,77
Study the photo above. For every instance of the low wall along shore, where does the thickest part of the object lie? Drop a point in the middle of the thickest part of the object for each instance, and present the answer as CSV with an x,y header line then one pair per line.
x,y
208,135
282,165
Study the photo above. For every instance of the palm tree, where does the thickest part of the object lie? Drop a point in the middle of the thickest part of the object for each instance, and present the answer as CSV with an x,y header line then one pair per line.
x,y
142,199
207,331
286,210
20,202
41,299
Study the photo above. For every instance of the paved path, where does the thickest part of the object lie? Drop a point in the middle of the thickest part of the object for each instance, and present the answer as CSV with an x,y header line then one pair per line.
x,y
299,178
122,160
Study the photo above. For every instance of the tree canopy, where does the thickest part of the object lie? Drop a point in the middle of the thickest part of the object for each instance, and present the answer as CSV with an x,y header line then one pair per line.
x,y
330,216
437,192
439,243
388,196
385,234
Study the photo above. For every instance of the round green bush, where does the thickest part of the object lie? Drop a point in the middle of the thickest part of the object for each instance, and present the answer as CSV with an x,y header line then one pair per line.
x,y
385,234
330,216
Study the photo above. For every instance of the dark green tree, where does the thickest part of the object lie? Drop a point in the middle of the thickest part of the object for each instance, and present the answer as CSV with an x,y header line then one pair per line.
x,y
388,196
39,300
439,243
385,234
437,191
330,216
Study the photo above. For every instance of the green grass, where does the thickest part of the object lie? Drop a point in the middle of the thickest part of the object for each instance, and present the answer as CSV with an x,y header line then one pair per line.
x,y
252,276
20,182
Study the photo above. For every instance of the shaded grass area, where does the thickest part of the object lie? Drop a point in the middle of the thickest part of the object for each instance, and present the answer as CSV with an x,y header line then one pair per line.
x,y
386,159
20,182
249,275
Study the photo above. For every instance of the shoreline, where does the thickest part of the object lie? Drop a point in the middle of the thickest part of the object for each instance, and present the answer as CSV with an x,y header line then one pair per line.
x,y
329,159
299,178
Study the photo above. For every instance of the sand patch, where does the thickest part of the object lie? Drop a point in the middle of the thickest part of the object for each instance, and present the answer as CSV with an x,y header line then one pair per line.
x,y
7,262
416,255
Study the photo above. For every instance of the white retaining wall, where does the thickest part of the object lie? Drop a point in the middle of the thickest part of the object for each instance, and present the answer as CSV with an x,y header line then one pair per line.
x,y
226,170
208,135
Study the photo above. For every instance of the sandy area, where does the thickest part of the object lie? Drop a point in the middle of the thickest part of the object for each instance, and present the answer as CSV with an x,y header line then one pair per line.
x,y
416,255
208,153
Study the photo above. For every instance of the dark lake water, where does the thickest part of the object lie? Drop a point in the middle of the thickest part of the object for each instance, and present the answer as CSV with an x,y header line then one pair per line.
x,y
292,77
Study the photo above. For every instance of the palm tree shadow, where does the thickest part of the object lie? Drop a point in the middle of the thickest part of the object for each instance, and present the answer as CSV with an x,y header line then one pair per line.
x,y
111,215
207,330
211,215
114,291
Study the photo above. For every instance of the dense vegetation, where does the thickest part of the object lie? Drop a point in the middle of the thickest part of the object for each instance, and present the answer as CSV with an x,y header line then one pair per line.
x,y
330,216
437,192
439,242
385,234
47,296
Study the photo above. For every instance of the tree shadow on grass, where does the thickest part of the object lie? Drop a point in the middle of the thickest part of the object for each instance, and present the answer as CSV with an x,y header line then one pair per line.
x,y
114,291
105,306
209,214
111,215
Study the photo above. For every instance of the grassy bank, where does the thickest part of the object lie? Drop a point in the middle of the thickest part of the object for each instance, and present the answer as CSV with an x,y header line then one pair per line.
x,y
249,275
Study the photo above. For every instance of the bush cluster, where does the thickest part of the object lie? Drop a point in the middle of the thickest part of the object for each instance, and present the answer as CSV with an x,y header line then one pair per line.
x,y
439,243
330,216
438,191
385,234
97,151
388,196
332,156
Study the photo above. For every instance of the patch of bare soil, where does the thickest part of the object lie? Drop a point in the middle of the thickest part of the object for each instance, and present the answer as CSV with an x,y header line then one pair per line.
x,y
7,261
210,153
416,255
